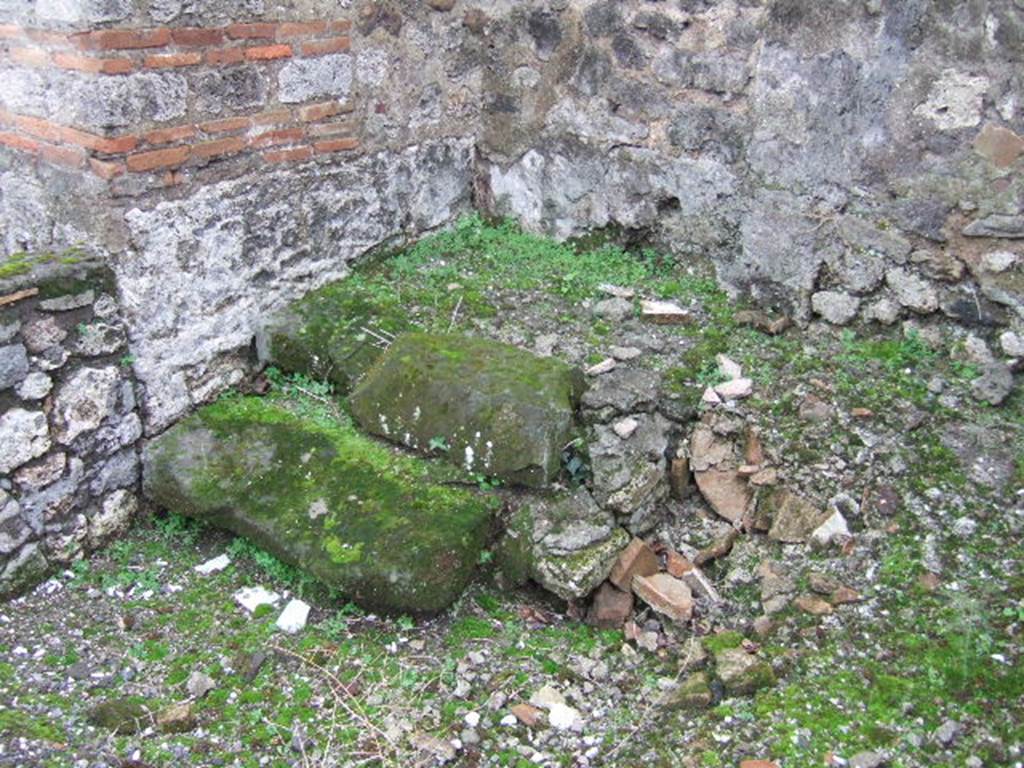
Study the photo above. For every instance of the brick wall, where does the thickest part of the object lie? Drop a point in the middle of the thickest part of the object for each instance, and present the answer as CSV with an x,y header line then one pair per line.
x,y
128,101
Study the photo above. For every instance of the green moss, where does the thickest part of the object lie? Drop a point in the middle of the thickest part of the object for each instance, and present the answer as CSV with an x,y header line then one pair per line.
x,y
19,724
502,411
723,641
375,525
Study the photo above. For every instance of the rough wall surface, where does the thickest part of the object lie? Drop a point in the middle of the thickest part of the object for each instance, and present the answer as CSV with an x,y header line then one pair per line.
x,y
852,160
69,422
227,157
844,157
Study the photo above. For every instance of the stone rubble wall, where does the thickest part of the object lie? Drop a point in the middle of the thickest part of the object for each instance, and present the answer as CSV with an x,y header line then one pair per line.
x,y
69,419
856,160
227,158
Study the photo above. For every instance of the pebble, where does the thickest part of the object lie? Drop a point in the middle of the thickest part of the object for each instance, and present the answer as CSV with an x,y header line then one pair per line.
x,y
252,598
626,427
293,617
218,563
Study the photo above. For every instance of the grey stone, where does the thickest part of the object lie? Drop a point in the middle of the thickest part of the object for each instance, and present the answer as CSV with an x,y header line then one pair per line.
x,y
911,291
35,386
955,101
13,530
836,307
13,365
742,673
1012,343
868,760
884,311
66,303
99,339
1007,226
27,568
84,401
567,545
119,471
40,335
8,331
233,88
614,309
24,436
42,473
995,383
624,390
319,78
113,517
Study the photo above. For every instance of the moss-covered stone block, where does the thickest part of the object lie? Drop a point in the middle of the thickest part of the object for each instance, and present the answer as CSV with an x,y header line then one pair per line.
x,y
567,544
496,410
333,334
377,526
693,693
121,716
742,673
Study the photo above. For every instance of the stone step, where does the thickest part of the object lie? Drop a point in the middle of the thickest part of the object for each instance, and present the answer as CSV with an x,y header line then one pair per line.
x,y
379,527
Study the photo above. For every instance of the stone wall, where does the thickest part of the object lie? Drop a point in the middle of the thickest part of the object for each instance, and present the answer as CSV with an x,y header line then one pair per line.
x,y
852,159
69,422
857,160
226,158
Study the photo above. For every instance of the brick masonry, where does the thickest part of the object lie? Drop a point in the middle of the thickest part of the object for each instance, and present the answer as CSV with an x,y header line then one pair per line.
x,y
212,60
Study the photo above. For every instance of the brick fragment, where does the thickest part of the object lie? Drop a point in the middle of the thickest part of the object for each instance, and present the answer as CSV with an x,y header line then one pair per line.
x,y
171,60
106,169
283,136
293,29
323,130
339,27
324,47
637,559
291,155
221,56
157,158
169,135
93,65
73,157
219,147
268,52
258,30
275,117
197,36
313,112
226,125
122,39
10,30
336,145
30,57
17,141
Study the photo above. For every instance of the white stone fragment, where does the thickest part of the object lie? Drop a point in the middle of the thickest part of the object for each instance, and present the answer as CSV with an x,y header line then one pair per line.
x,y
626,427
617,291
833,528
563,717
728,367
293,617
710,397
663,312
735,389
606,365
252,598
213,565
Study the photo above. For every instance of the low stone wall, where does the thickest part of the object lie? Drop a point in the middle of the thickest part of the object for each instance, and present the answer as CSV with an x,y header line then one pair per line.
x,y
69,421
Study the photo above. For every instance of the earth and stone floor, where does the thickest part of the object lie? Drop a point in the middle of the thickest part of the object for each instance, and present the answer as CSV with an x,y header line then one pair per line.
x,y
895,640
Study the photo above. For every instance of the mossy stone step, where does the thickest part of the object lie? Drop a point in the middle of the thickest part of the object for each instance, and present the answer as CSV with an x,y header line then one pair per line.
x,y
377,526
496,410
332,334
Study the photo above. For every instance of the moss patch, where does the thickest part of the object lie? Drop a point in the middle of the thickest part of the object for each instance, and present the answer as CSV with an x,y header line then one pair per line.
x,y
376,526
